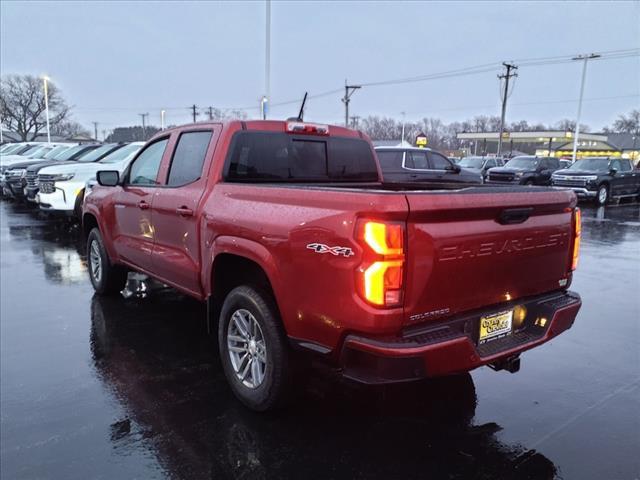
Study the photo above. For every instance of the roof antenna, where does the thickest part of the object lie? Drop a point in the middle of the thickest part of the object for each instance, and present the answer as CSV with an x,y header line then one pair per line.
x,y
301,114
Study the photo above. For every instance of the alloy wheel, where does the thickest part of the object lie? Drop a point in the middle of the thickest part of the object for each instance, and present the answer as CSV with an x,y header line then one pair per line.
x,y
247,348
602,195
95,261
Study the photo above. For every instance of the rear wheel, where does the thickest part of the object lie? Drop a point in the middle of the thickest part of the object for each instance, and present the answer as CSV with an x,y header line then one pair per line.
x,y
529,183
603,194
253,349
106,278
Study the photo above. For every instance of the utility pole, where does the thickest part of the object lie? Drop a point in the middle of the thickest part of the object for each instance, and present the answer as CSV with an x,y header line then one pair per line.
x,y
104,135
194,112
144,125
355,119
348,91
576,134
210,112
95,130
162,113
505,95
403,122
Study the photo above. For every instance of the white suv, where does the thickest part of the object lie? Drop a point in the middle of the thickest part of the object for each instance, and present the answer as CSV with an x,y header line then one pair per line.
x,y
62,187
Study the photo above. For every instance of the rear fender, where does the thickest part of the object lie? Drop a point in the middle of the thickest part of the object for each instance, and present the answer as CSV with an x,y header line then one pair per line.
x,y
241,247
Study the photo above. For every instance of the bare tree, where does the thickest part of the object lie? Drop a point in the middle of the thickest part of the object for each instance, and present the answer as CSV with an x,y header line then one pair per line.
x,y
22,105
569,125
69,129
627,124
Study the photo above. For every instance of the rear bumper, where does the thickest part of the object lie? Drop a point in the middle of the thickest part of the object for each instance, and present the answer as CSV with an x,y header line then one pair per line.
x,y
452,346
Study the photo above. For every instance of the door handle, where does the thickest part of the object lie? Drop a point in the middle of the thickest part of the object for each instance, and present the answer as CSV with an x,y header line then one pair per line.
x,y
184,211
142,205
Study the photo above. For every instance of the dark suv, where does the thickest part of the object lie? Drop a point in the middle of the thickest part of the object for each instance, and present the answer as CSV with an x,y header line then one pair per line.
x,y
421,165
600,179
525,170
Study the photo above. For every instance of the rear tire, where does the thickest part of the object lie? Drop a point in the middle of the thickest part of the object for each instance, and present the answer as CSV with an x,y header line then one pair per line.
x,y
77,209
603,195
253,349
529,183
106,278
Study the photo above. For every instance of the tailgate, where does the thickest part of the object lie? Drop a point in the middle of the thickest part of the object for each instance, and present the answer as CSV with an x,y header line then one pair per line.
x,y
468,250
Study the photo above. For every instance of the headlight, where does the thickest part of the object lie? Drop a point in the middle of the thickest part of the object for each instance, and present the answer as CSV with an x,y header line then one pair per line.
x,y
19,172
590,178
63,177
519,174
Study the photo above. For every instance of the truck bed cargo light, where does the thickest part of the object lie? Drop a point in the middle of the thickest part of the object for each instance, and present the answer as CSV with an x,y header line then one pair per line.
x,y
309,128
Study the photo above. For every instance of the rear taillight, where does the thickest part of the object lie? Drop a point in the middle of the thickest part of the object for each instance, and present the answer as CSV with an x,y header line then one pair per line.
x,y
380,276
577,231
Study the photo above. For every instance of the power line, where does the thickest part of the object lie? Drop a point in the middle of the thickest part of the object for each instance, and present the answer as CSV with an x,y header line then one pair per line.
x,y
473,70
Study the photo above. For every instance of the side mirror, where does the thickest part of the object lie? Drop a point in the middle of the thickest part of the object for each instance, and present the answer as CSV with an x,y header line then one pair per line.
x,y
454,168
613,172
108,178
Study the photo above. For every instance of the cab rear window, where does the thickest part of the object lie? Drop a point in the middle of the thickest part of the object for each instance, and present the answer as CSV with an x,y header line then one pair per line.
x,y
282,157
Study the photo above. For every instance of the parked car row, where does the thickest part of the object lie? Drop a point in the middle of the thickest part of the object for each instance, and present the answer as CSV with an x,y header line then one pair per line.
x,y
56,176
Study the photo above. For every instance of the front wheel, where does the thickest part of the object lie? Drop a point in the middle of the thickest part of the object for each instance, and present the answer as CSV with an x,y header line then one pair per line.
x,y
253,349
106,278
603,195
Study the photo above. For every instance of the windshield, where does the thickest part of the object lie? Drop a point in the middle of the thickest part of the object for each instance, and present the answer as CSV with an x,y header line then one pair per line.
x,y
55,151
121,154
30,150
8,148
591,164
67,154
522,163
37,152
97,153
471,162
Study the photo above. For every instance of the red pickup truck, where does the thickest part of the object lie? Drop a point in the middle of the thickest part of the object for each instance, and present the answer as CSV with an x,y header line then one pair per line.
x,y
287,232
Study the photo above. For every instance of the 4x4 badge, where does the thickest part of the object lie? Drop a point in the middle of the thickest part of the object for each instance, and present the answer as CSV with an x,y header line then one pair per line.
x,y
322,248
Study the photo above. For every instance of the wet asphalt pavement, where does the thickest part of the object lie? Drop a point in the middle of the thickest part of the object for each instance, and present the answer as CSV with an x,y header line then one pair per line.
x,y
132,388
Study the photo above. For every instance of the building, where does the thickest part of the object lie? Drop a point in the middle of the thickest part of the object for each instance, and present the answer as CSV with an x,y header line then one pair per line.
x,y
560,143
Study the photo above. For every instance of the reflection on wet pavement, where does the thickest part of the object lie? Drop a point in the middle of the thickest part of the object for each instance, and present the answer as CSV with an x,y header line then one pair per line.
x,y
131,387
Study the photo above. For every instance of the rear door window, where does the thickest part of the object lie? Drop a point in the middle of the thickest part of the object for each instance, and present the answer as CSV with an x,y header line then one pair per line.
x,y
439,162
188,158
417,160
282,157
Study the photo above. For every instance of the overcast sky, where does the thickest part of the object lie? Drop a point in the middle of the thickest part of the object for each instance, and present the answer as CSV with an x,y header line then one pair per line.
x,y
115,60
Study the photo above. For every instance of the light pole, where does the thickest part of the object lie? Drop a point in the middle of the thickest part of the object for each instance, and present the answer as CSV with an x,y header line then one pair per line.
x,y
402,139
45,79
576,134
162,112
267,62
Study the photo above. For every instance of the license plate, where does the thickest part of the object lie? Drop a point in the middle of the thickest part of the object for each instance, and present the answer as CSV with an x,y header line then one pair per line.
x,y
495,326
